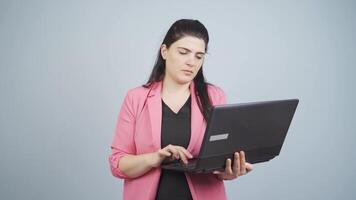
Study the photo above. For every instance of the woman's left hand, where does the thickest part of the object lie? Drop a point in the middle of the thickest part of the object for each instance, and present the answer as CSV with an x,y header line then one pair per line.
x,y
239,168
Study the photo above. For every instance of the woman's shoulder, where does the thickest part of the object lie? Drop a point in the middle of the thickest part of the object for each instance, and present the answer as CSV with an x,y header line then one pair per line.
x,y
135,99
138,93
217,95
214,89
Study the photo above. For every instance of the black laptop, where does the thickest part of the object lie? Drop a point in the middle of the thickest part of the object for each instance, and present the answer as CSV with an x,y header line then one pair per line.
x,y
258,128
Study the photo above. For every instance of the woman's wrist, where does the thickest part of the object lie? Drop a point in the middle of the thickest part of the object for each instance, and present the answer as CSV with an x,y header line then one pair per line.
x,y
151,159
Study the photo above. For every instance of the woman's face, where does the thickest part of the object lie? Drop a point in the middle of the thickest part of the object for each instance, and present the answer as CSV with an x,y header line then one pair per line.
x,y
183,59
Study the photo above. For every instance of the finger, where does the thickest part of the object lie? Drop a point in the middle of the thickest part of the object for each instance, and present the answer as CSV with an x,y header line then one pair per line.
x,y
238,168
228,169
243,163
174,151
183,157
164,153
249,167
235,167
185,151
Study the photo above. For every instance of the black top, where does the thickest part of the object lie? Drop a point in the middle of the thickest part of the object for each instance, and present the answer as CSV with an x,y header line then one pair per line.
x,y
175,130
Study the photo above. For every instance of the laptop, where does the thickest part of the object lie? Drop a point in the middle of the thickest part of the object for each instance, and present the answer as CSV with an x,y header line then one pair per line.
x,y
257,128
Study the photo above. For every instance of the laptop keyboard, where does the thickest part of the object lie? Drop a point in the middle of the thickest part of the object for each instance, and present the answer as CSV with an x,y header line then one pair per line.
x,y
191,164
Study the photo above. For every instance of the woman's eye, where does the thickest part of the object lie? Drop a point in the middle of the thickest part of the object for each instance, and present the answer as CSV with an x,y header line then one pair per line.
x,y
199,57
183,52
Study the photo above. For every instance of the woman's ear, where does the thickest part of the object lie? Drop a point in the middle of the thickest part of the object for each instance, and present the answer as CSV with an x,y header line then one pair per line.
x,y
164,51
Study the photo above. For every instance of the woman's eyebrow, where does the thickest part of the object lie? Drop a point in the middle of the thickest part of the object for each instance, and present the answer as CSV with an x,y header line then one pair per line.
x,y
199,52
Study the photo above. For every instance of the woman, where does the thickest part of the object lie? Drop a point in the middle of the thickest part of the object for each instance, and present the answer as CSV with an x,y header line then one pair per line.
x,y
166,118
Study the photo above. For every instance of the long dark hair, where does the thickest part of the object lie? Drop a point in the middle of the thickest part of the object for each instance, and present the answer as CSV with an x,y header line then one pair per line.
x,y
178,30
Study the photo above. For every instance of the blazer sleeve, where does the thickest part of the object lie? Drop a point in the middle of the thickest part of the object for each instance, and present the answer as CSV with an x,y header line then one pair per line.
x,y
123,142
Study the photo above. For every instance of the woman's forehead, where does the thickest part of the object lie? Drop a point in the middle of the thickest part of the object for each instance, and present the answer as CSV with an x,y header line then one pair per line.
x,y
192,43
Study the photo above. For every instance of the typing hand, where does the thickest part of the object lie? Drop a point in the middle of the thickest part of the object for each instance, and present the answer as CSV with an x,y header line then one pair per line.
x,y
170,152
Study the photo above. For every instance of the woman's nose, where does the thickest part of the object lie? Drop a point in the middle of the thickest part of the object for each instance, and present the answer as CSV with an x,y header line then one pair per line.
x,y
191,61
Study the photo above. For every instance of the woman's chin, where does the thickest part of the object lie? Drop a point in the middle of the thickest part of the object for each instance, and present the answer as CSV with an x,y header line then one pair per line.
x,y
184,80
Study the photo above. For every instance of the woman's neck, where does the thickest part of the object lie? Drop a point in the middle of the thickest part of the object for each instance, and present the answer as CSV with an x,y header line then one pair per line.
x,y
171,87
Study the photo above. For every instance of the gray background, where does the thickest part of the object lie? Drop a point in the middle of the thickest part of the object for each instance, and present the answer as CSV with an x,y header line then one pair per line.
x,y
66,66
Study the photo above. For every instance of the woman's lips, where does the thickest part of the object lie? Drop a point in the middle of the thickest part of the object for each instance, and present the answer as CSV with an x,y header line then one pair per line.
x,y
188,71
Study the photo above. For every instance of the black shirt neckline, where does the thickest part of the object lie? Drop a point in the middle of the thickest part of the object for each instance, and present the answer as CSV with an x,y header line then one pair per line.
x,y
186,104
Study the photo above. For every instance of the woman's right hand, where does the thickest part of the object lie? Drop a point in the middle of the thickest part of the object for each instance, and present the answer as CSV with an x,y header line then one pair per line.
x,y
172,151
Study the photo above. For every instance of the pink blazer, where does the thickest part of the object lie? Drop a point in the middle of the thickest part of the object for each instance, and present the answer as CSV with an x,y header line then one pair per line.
x,y
138,131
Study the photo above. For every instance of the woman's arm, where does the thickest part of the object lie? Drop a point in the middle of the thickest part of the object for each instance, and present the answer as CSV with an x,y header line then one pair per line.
x,y
123,142
136,165
123,160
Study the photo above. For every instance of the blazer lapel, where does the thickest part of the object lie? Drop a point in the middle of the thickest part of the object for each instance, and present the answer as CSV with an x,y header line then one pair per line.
x,y
197,124
154,104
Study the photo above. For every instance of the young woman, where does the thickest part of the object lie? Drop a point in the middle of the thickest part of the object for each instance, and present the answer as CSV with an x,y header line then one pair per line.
x,y
166,118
